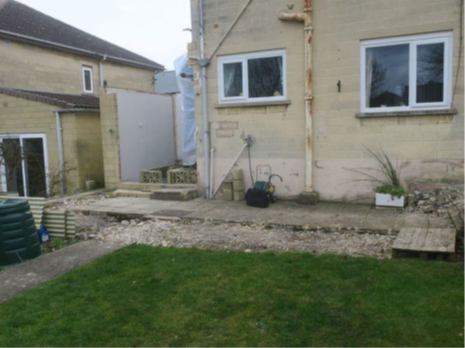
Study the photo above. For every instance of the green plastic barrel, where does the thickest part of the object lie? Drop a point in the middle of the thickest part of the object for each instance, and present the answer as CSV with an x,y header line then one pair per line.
x,y
18,236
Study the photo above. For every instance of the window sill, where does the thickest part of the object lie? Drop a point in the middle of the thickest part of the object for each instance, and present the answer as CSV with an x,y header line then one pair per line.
x,y
440,112
252,104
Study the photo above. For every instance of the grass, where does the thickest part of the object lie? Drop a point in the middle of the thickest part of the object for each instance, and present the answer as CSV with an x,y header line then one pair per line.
x,y
57,244
144,296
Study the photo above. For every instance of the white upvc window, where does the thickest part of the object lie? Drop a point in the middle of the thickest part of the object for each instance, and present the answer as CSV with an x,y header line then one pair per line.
x,y
407,73
87,80
252,77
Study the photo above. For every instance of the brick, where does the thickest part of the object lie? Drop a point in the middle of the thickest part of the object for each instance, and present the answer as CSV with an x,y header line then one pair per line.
x,y
229,125
224,133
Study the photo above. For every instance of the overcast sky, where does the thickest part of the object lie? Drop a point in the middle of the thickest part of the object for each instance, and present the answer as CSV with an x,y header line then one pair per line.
x,y
151,28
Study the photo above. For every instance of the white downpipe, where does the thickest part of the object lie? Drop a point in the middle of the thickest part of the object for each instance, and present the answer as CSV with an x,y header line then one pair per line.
x,y
206,128
211,171
60,152
101,70
231,167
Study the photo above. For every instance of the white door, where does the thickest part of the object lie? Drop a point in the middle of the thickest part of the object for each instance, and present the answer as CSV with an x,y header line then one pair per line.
x,y
24,165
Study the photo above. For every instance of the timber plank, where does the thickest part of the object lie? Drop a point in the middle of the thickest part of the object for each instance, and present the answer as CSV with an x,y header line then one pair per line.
x,y
433,240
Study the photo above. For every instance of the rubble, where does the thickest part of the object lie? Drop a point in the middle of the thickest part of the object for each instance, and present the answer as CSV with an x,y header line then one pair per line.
x,y
245,237
439,202
70,203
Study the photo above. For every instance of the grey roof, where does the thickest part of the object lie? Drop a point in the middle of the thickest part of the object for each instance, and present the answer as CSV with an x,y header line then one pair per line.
x,y
166,83
68,101
22,22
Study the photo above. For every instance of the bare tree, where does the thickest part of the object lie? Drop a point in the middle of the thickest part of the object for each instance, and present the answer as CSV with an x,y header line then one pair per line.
x,y
54,178
12,158
431,62
378,80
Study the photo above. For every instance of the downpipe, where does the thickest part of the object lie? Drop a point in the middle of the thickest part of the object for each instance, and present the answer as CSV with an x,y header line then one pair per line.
x,y
305,17
206,129
60,152
101,70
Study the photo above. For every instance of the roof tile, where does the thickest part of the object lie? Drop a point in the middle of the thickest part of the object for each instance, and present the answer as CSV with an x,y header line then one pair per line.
x,y
17,18
67,101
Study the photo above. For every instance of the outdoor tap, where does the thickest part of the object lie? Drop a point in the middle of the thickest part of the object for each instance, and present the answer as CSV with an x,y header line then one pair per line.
x,y
248,139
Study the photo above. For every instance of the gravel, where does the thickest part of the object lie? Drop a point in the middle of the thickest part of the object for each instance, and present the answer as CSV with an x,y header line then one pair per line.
x,y
235,236
225,236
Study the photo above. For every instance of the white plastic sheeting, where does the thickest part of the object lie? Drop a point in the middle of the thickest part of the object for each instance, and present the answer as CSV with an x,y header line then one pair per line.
x,y
186,85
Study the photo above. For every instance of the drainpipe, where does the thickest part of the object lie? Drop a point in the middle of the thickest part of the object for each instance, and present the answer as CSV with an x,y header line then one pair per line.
x,y
203,62
101,70
306,18
60,152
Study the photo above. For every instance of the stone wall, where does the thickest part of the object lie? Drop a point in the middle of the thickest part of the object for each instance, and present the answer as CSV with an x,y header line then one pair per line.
x,y
32,67
431,146
82,140
110,139
81,136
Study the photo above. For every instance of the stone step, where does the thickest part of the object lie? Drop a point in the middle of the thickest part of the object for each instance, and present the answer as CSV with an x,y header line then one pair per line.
x,y
131,194
174,194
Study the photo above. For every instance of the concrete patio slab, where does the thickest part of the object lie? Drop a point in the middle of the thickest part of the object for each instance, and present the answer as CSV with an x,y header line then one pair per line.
x,y
28,275
324,215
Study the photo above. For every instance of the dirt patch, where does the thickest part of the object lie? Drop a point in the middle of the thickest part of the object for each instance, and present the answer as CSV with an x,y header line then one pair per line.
x,y
235,236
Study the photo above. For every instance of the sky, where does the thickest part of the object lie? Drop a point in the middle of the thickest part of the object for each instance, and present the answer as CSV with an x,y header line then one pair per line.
x,y
151,28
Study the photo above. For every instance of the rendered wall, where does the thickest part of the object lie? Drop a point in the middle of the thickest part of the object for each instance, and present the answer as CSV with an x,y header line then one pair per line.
x,y
36,68
431,146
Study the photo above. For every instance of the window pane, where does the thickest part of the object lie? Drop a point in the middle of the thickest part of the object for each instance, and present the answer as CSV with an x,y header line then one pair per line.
x,y
430,73
387,76
232,75
266,77
88,79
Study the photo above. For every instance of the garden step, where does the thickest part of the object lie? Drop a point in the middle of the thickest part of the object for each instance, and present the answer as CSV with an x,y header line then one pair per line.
x,y
174,194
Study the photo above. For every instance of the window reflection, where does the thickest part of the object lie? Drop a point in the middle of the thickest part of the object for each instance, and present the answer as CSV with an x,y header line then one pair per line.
x,y
233,80
266,77
387,76
430,73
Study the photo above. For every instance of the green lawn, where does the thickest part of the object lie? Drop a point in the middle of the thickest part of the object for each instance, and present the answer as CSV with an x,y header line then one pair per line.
x,y
144,296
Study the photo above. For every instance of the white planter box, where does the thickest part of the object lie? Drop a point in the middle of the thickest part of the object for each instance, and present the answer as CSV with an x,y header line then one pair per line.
x,y
385,200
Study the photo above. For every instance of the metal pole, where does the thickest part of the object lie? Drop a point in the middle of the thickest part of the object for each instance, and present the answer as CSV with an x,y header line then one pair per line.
x,y
211,171
60,152
231,167
206,128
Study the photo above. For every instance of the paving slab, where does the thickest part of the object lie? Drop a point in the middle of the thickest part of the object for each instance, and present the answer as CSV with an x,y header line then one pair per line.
x,y
28,275
324,215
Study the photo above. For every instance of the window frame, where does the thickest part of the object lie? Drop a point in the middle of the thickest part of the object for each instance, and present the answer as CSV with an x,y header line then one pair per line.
x,y
84,69
243,59
413,41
